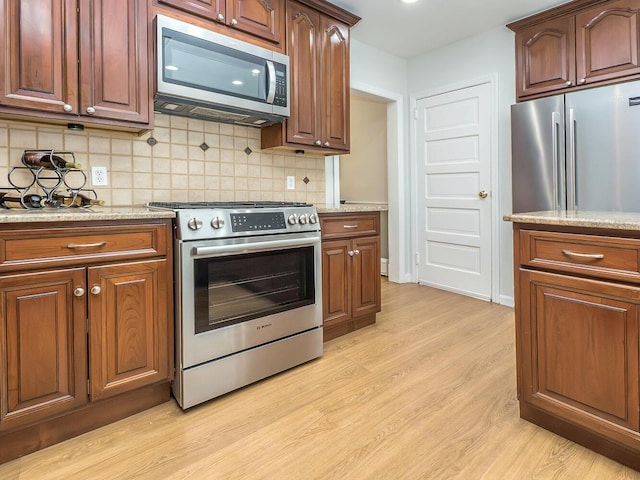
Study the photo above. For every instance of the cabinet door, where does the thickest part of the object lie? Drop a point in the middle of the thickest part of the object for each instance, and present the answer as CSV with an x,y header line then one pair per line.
x,y
210,9
43,345
38,62
303,125
114,74
335,83
366,276
545,57
607,42
127,327
336,282
579,349
262,18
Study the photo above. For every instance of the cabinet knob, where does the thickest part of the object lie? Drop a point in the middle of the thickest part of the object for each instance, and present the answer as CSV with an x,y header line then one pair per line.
x,y
351,253
569,83
220,17
582,80
78,292
234,22
96,289
91,110
318,142
67,107
357,252
327,144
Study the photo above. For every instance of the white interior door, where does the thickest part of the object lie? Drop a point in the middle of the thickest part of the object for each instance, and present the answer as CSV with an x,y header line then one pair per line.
x,y
453,138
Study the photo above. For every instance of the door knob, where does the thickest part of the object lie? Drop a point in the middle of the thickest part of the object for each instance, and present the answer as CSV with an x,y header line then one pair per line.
x,y
483,194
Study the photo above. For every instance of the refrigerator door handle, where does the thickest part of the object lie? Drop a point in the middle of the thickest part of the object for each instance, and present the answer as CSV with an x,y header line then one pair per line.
x,y
558,171
572,183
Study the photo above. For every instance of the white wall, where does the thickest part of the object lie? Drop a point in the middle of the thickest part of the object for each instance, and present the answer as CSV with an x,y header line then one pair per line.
x,y
487,54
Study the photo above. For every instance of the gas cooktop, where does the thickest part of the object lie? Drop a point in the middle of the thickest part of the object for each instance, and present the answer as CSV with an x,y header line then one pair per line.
x,y
204,205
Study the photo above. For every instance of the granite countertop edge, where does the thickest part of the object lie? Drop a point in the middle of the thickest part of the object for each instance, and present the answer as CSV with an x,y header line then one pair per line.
x,y
605,220
82,214
355,208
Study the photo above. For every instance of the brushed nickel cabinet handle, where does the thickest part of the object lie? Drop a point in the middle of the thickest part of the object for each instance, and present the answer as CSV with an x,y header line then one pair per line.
x,y
86,245
593,256
350,226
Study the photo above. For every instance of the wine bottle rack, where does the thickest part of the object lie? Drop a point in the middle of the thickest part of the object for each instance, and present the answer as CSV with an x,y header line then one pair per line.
x,y
48,181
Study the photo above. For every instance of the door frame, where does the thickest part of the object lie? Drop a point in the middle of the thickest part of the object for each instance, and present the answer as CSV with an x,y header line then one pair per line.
x,y
398,167
493,81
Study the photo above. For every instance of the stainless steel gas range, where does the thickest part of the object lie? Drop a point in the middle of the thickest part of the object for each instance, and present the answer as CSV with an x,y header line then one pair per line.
x,y
247,293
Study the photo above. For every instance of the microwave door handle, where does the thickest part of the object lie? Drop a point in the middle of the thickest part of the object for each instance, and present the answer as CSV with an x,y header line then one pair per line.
x,y
271,82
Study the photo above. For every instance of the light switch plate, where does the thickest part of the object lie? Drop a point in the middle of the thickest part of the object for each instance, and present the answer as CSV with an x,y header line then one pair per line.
x,y
291,182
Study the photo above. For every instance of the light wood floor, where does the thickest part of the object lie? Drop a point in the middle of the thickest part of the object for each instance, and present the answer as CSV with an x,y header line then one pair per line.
x,y
426,393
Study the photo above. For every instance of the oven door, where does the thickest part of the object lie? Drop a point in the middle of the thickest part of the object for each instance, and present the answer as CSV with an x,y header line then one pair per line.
x,y
236,294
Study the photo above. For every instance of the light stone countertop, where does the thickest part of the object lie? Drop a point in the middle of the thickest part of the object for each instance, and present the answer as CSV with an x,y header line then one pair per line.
x,y
355,208
608,220
35,215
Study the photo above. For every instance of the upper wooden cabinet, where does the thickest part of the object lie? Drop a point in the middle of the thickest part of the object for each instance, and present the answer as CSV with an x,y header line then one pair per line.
x,y
577,45
75,61
318,47
263,19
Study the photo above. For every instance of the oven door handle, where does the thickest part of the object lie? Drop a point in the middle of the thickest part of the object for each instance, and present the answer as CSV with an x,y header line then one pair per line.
x,y
253,247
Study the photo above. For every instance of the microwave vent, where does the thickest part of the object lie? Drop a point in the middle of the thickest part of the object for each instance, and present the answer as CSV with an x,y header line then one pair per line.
x,y
219,114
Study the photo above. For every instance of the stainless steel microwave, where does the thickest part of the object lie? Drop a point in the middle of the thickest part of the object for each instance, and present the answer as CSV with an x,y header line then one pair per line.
x,y
203,74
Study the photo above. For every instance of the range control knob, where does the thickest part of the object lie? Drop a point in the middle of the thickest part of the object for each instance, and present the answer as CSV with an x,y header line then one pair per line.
x,y
194,223
304,218
217,222
293,219
313,218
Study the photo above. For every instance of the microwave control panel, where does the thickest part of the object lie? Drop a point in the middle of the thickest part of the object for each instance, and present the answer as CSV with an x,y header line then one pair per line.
x,y
281,85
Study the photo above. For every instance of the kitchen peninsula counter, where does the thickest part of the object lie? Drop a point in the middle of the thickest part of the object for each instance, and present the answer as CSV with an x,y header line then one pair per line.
x,y
577,324
605,220
37,215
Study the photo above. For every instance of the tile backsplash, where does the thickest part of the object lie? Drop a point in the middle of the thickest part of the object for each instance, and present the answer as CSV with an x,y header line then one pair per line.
x,y
180,160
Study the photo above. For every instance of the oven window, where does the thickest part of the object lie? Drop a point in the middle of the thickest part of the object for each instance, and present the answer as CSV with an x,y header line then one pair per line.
x,y
237,288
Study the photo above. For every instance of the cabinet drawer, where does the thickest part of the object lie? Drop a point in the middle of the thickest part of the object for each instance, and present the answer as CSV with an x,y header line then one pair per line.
x,y
607,257
68,245
352,225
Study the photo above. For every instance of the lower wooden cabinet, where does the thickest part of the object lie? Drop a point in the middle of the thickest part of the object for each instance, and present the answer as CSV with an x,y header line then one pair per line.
x,y
86,330
577,335
350,271
582,349
43,342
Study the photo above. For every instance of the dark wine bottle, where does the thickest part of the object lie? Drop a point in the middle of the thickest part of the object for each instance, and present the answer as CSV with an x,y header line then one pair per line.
x,y
46,160
79,200
14,200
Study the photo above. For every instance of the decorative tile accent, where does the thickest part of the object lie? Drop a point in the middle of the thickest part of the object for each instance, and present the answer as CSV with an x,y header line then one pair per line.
x,y
306,180
152,141
248,151
204,146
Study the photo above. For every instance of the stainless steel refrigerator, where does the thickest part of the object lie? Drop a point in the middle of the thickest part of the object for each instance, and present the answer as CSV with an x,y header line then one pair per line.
x,y
579,151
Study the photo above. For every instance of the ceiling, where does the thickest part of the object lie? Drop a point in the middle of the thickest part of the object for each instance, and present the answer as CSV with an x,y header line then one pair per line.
x,y
407,30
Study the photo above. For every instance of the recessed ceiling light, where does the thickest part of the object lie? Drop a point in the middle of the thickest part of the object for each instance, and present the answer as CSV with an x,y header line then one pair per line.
x,y
409,1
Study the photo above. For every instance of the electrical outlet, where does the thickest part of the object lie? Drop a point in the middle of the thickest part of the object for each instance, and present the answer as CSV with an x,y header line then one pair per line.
x,y
291,182
99,176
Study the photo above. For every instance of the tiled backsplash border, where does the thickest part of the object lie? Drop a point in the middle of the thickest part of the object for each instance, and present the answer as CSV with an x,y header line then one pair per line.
x,y
185,160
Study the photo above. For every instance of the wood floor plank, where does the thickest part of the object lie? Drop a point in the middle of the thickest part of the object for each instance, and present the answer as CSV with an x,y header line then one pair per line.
x,y
428,392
